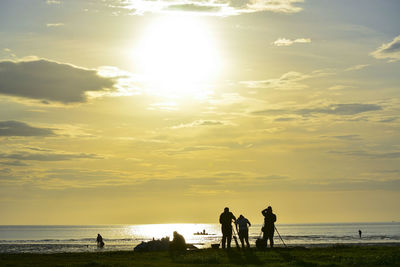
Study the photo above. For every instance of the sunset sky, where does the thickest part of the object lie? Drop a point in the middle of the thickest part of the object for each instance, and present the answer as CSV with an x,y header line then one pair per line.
x,y
144,111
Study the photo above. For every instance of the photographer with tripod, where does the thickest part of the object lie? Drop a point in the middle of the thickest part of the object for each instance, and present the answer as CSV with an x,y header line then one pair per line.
x,y
269,226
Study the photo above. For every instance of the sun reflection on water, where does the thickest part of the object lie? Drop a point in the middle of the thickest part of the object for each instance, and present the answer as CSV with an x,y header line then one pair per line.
x,y
157,231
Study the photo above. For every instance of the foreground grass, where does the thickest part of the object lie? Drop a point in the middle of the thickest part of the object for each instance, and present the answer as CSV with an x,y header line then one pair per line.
x,y
331,256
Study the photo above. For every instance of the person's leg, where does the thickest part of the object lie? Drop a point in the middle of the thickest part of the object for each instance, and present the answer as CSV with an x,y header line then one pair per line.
x,y
223,240
271,240
229,237
241,237
246,237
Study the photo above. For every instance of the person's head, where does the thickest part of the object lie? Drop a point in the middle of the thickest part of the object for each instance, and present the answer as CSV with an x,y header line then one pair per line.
x,y
226,209
241,216
269,209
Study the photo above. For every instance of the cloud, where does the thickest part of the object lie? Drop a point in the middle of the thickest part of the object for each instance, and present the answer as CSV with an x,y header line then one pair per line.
x,y
208,7
16,128
53,2
341,109
14,163
340,87
49,25
46,80
389,51
369,154
46,156
282,119
357,67
348,137
333,109
199,123
291,80
288,42
389,119
288,81
190,149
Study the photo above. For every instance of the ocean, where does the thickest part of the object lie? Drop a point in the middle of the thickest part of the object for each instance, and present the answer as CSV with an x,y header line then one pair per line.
x,y
82,238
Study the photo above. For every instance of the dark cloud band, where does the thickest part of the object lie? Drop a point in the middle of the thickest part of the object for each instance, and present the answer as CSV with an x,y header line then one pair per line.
x,y
50,81
16,128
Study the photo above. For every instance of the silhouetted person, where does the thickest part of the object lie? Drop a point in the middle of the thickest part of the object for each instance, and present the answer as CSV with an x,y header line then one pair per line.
x,y
178,243
243,230
225,219
359,233
100,242
269,226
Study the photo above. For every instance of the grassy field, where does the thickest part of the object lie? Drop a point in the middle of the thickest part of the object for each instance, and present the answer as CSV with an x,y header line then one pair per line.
x,y
330,256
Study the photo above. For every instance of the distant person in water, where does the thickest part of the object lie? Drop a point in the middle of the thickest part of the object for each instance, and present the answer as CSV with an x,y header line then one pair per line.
x,y
243,230
178,243
100,242
225,219
359,233
269,226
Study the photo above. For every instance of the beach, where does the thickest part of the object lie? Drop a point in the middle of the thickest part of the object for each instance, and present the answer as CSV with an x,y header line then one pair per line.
x,y
341,255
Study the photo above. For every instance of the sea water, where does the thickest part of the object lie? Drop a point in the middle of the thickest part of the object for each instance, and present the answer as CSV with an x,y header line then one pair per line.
x,y
80,238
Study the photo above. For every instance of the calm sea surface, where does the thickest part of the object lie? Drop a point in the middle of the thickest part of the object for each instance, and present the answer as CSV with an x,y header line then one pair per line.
x,y
53,239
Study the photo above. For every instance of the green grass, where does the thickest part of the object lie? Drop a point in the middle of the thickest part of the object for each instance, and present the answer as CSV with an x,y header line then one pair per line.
x,y
330,256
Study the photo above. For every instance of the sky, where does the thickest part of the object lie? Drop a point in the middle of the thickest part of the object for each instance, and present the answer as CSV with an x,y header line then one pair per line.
x,y
142,111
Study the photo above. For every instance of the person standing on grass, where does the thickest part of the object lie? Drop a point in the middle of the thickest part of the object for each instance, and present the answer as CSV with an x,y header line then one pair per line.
x,y
243,230
269,226
225,219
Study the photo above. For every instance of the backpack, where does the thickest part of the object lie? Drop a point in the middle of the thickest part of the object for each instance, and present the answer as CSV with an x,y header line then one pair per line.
x,y
261,243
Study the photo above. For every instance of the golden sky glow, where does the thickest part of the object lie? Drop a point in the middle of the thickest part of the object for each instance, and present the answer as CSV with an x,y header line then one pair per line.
x,y
146,111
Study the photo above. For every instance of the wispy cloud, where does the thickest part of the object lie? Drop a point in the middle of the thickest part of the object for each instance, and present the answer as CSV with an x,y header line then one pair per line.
x,y
348,137
389,51
199,123
288,81
50,25
340,87
16,128
288,42
369,154
207,7
53,2
46,156
333,109
357,67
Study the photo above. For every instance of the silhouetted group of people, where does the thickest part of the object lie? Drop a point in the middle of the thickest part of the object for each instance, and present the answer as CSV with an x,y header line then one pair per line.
x,y
242,227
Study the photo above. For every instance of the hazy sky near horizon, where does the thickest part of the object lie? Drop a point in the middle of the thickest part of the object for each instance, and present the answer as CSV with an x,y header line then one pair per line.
x,y
141,111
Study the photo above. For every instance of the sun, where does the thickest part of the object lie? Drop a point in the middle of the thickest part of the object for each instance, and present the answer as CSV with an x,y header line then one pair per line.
x,y
178,57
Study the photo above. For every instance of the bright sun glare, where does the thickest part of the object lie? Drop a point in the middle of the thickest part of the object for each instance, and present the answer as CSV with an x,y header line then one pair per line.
x,y
177,56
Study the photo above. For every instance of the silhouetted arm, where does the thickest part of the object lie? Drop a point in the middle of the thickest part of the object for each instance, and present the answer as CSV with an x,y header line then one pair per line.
x,y
233,218
264,212
249,223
